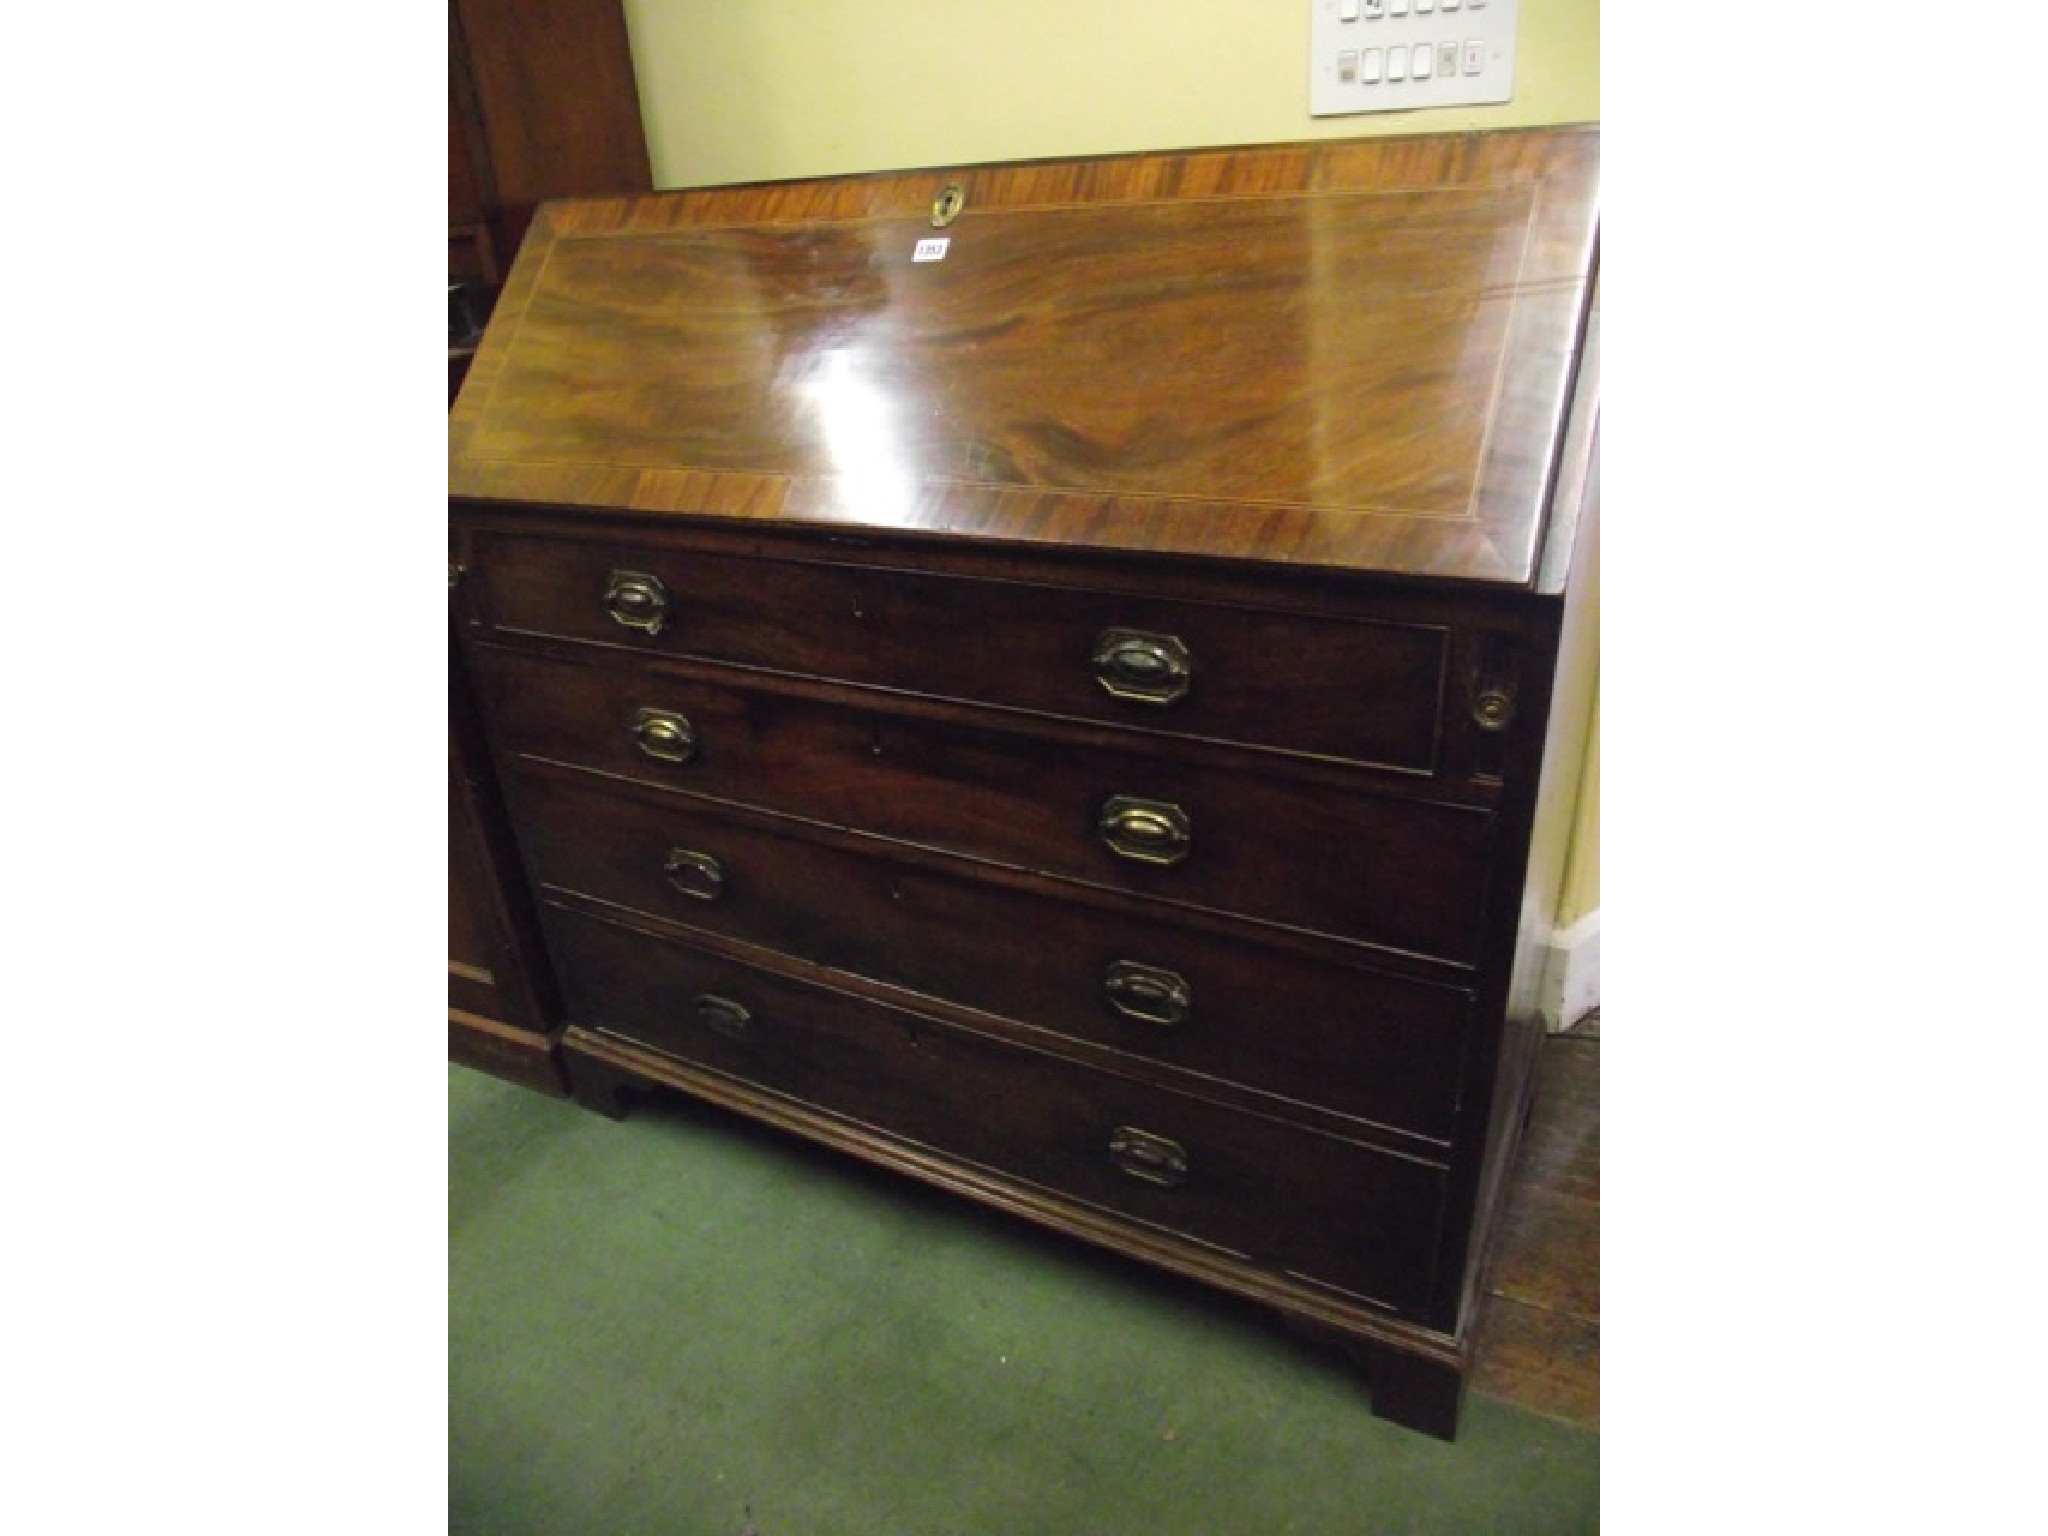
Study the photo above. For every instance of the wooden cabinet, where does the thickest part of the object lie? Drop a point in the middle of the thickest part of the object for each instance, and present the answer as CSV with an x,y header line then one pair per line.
x,y
541,103
1061,719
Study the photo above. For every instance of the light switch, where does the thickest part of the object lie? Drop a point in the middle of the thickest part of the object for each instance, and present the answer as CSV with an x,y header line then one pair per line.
x,y
1430,53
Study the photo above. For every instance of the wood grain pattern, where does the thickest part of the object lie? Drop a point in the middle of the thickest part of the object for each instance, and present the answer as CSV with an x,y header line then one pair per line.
x,y
1360,1042
1339,687
1329,354
1309,410
1412,880
1358,1220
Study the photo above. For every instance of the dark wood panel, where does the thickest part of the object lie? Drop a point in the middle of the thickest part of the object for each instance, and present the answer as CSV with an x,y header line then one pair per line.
x,y
1352,355
497,967
1362,1221
1412,877
549,88
1336,687
1383,1049
823,350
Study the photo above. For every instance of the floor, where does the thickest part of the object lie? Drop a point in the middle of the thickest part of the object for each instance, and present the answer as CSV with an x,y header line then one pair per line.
x,y
1539,1336
681,1323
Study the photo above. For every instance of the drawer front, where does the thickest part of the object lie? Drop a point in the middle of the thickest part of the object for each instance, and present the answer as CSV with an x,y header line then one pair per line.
x,y
1379,1048
1404,874
1359,691
1283,1198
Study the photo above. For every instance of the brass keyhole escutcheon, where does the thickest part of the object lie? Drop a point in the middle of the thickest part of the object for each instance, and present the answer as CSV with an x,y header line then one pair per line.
x,y
947,205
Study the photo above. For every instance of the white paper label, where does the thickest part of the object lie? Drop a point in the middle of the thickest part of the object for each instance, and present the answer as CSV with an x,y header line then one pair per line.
x,y
930,250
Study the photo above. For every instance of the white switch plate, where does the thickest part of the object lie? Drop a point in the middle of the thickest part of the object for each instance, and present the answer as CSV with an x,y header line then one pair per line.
x,y
1334,90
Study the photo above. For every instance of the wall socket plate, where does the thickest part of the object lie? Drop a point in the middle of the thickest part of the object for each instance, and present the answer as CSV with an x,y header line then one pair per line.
x,y
1395,55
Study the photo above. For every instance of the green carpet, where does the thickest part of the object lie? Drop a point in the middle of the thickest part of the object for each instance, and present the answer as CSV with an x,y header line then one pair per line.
x,y
682,1324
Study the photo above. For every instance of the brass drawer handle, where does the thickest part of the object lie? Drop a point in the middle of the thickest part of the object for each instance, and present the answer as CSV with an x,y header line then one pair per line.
x,y
664,736
1148,668
1147,1158
697,875
723,1016
1148,992
637,601
1150,831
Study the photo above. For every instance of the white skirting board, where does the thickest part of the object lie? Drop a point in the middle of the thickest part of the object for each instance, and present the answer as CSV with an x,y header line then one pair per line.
x,y
1571,974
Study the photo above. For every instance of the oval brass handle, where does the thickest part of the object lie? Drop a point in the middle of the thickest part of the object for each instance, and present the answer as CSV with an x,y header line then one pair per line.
x,y
1149,992
1150,831
1148,1158
1144,667
697,875
665,735
637,601
723,1016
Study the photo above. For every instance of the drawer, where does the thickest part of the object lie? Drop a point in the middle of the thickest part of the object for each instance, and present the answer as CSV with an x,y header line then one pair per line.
x,y
1357,690
1402,874
1281,1197
1375,1047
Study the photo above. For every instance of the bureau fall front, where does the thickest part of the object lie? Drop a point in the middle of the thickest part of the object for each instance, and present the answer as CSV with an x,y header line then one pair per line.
x,y
1036,676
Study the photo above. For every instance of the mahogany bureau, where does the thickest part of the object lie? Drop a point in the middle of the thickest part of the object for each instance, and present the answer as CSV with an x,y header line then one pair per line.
x,y
1036,676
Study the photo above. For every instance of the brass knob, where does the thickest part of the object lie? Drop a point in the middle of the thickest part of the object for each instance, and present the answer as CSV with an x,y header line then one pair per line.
x,y
636,600
696,875
1148,1158
1149,992
664,735
1143,667
1149,831
1493,710
723,1016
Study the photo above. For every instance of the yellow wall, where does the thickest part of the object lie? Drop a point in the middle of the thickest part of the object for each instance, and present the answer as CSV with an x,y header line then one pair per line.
x,y
753,90
1580,893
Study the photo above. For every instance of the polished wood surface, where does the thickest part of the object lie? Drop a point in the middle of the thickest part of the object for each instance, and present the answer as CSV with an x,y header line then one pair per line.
x,y
1364,1044
1358,1220
893,666
1349,355
1339,686
1412,882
